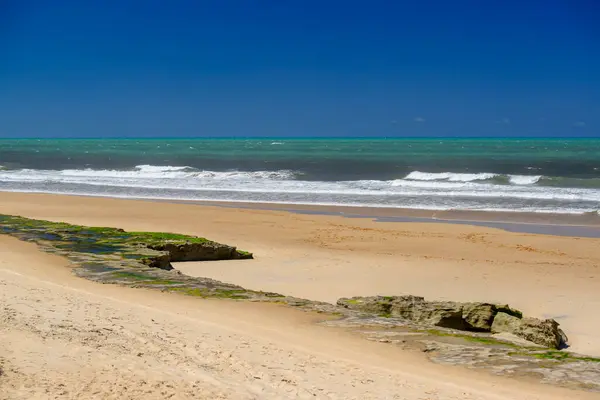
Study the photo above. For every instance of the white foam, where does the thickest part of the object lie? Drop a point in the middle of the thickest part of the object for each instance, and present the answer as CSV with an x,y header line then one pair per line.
x,y
524,179
145,172
282,182
421,206
448,190
160,168
463,177
449,176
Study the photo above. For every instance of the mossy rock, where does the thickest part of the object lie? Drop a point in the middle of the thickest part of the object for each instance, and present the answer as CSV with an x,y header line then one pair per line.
x,y
112,255
108,240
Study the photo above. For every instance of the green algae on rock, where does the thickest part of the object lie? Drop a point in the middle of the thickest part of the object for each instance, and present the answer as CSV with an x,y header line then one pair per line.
x,y
151,248
112,255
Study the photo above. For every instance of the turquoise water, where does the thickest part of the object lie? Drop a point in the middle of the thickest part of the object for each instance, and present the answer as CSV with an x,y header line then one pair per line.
x,y
555,175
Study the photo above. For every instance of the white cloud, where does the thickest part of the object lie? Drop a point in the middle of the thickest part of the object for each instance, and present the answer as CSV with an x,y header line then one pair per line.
x,y
419,119
579,124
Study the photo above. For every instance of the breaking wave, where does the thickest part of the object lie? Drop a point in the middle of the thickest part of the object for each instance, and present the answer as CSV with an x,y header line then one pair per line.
x,y
425,190
478,177
143,172
501,179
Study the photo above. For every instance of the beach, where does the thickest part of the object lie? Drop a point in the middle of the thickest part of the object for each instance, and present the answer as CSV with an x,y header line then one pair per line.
x,y
288,200
84,338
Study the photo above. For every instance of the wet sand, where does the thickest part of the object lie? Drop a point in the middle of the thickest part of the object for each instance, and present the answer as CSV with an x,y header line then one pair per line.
x,y
589,219
576,225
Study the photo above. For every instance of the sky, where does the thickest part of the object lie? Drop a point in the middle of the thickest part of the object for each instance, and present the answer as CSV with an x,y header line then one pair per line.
x,y
299,68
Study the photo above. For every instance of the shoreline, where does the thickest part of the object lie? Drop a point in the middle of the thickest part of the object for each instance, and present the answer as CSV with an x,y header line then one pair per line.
x,y
571,225
579,225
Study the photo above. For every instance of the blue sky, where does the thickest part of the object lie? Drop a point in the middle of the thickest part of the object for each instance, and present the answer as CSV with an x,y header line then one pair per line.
x,y
299,68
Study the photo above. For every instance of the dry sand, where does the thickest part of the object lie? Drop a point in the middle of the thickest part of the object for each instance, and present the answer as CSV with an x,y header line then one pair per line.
x,y
61,334
62,337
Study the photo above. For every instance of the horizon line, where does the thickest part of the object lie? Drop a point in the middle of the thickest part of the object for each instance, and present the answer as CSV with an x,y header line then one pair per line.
x,y
295,137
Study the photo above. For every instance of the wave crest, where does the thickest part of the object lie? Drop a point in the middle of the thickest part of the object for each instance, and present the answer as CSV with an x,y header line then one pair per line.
x,y
417,189
148,172
160,168
524,179
476,177
449,176
191,172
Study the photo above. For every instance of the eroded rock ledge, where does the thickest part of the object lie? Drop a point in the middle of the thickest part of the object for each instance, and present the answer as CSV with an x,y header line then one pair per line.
x,y
448,332
474,317
154,249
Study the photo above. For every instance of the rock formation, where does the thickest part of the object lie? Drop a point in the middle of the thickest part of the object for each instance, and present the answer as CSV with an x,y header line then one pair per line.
x,y
543,332
475,317
478,316
205,251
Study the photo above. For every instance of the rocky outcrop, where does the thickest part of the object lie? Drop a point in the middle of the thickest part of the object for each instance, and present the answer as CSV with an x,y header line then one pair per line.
x,y
478,317
505,308
205,251
414,308
544,332
161,261
475,317
445,314
133,249
178,251
373,305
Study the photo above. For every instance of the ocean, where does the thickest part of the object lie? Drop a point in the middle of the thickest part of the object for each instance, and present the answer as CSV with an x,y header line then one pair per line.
x,y
534,175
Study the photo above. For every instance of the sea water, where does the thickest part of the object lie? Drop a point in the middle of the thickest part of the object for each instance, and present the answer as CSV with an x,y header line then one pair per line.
x,y
535,175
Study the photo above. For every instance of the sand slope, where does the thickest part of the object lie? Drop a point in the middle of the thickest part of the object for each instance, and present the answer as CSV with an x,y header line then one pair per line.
x,y
62,337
